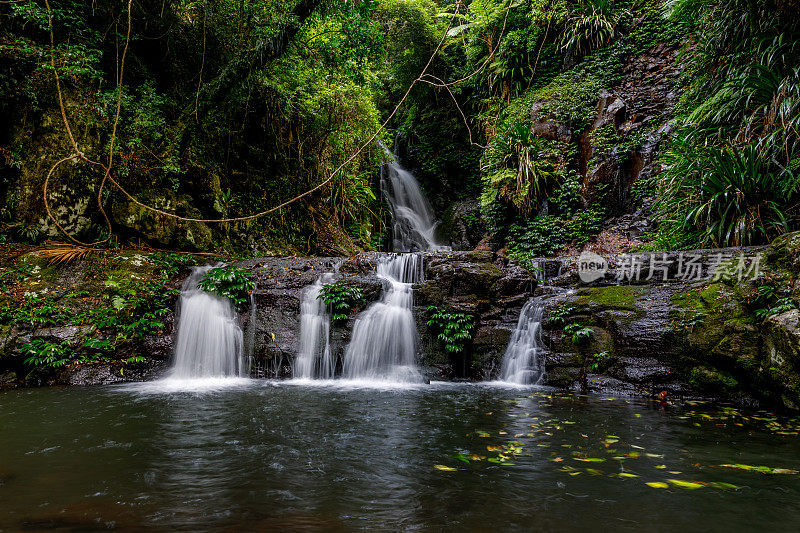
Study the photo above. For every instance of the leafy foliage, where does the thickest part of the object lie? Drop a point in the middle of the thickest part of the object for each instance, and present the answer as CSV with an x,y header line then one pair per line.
x,y
228,282
47,354
341,298
769,297
731,174
579,334
728,195
592,25
598,361
454,328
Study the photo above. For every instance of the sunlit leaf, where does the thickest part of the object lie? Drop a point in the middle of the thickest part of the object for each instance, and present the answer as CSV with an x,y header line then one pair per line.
x,y
685,484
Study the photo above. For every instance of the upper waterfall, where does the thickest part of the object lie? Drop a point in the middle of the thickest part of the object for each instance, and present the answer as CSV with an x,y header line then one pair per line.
x,y
414,223
209,340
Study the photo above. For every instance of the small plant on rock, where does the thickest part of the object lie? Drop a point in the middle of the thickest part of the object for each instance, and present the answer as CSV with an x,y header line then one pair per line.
x,y
599,361
558,317
231,283
581,335
454,328
341,298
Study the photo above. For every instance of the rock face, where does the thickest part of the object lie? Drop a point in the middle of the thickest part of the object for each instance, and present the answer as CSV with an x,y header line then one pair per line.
x,y
730,331
466,282
632,118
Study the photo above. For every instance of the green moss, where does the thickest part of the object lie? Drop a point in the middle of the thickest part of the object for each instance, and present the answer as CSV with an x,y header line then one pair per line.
x,y
711,380
571,98
618,297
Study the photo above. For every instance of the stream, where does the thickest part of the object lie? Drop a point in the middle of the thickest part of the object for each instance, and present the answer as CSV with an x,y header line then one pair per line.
x,y
238,454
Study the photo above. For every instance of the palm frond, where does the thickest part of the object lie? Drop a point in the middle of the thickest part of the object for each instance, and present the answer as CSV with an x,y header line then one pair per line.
x,y
64,255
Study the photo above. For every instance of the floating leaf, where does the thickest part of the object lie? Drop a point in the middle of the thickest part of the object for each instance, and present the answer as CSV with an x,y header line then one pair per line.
x,y
589,459
660,467
627,474
482,434
445,468
761,469
657,484
685,484
724,486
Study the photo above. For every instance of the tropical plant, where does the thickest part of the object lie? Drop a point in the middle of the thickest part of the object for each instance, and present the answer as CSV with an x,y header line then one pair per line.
x,y
590,25
454,328
232,283
341,297
579,334
728,195
599,361
42,353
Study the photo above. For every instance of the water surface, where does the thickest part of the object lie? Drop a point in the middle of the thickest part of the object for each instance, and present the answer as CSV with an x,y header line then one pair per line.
x,y
256,455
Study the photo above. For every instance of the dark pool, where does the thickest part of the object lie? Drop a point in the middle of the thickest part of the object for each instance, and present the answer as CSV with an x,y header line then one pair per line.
x,y
257,455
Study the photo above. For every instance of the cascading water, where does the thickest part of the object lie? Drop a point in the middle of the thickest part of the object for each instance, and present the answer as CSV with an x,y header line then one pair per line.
x,y
414,223
209,340
385,338
521,362
315,359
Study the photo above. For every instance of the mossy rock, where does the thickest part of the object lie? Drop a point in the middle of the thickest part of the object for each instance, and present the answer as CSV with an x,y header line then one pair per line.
x,y
165,230
784,252
709,380
621,297
563,376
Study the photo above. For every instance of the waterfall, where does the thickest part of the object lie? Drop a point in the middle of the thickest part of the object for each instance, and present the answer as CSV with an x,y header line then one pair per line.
x,y
209,340
521,362
414,223
385,338
315,359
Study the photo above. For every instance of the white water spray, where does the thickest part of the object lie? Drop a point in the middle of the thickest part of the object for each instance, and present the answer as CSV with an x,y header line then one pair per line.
x,y
521,362
385,338
414,223
209,341
315,359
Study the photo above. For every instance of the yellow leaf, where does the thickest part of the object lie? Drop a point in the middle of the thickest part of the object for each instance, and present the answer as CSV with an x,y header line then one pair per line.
x,y
657,484
445,468
685,484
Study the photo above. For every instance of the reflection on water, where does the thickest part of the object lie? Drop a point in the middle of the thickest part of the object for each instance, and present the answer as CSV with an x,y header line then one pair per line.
x,y
255,455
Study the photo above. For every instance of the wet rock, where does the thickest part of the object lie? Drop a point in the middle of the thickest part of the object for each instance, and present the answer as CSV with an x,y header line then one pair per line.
x,y
167,231
107,374
462,225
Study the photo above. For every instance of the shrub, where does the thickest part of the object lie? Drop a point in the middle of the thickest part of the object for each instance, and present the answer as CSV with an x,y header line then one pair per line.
x,y
727,195
47,354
